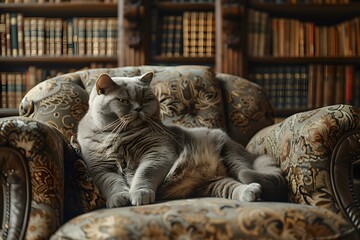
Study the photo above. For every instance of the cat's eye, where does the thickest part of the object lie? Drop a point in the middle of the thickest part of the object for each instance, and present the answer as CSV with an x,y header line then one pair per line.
x,y
124,101
146,100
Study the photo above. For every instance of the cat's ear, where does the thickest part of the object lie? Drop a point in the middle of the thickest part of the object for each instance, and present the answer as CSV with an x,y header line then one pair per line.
x,y
104,83
147,78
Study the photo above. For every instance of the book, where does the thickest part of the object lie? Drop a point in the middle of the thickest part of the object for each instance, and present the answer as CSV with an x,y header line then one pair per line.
x,y
3,83
349,83
2,35
13,34
58,36
27,37
89,36
20,34
178,36
33,37
41,37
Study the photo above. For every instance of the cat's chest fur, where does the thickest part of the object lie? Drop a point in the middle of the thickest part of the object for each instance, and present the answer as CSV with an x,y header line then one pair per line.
x,y
133,147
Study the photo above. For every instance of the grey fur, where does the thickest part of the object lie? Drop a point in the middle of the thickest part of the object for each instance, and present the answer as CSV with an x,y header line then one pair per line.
x,y
134,158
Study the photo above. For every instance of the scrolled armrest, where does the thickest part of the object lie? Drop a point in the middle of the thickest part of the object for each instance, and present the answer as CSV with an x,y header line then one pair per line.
x,y
31,177
317,151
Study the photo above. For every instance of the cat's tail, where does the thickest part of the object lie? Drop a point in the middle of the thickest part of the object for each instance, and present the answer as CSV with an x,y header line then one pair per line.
x,y
268,174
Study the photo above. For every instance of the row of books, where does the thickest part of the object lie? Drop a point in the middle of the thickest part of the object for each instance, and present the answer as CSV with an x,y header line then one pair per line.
x,y
58,1
14,85
37,36
293,38
303,1
309,86
191,34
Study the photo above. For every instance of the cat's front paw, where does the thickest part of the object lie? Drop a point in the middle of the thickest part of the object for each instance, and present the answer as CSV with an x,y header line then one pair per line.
x,y
142,196
251,192
118,200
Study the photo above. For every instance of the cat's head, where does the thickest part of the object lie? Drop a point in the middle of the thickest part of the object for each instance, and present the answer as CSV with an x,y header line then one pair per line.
x,y
128,99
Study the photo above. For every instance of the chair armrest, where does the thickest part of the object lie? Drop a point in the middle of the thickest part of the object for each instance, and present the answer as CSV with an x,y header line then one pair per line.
x,y
319,152
31,177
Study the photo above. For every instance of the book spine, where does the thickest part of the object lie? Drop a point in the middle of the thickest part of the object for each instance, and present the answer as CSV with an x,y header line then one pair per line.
x,y
11,94
186,34
41,36
89,36
210,34
2,35
20,34
58,36
3,90
102,37
178,36
82,35
13,34
33,37
96,36
8,34
349,83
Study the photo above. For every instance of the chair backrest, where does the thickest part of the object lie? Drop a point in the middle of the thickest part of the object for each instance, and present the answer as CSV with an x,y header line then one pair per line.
x,y
189,96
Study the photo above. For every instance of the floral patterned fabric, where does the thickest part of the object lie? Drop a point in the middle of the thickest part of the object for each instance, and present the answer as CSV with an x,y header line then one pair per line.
x,y
247,108
208,219
41,146
306,145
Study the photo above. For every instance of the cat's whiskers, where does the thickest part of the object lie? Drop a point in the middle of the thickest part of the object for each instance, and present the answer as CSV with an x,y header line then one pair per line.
x,y
121,124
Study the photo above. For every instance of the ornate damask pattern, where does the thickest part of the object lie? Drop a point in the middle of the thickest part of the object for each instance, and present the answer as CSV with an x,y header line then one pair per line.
x,y
63,106
304,144
41,146
247,108
208,219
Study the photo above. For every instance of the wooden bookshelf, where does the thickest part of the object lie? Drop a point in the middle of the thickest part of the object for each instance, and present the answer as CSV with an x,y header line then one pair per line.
x,y
326,67
47,63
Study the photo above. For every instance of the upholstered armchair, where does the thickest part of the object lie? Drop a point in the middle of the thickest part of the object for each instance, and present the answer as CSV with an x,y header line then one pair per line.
x,y
48,193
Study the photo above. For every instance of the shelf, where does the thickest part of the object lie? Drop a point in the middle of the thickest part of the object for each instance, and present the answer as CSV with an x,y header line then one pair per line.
x,y
181,59
186,6
8,112
323,11
58,59
305,60
232,10
62,9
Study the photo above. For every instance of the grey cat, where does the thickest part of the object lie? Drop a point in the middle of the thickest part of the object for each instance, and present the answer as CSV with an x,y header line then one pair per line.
x,y
134,158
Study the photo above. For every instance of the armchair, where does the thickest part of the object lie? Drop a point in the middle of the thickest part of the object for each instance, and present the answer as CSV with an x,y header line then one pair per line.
x,y
47,192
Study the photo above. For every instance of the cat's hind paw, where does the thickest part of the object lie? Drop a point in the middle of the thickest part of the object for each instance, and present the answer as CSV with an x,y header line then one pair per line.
x,y
118,200
251,192
142,196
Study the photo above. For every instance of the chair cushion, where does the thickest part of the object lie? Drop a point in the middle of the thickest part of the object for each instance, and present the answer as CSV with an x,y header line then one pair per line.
x,y
247,108
209,218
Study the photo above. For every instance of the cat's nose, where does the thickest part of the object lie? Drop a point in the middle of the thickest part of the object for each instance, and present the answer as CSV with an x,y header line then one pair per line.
x,y
138,109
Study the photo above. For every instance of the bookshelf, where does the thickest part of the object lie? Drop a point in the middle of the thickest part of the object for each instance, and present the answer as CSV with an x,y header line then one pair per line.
x,y
52,34
332,65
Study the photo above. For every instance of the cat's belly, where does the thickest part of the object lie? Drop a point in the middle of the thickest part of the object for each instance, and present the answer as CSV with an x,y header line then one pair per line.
x,y
196,166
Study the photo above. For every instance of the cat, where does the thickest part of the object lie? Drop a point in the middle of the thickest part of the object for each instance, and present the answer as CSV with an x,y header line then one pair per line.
x,y
133,158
